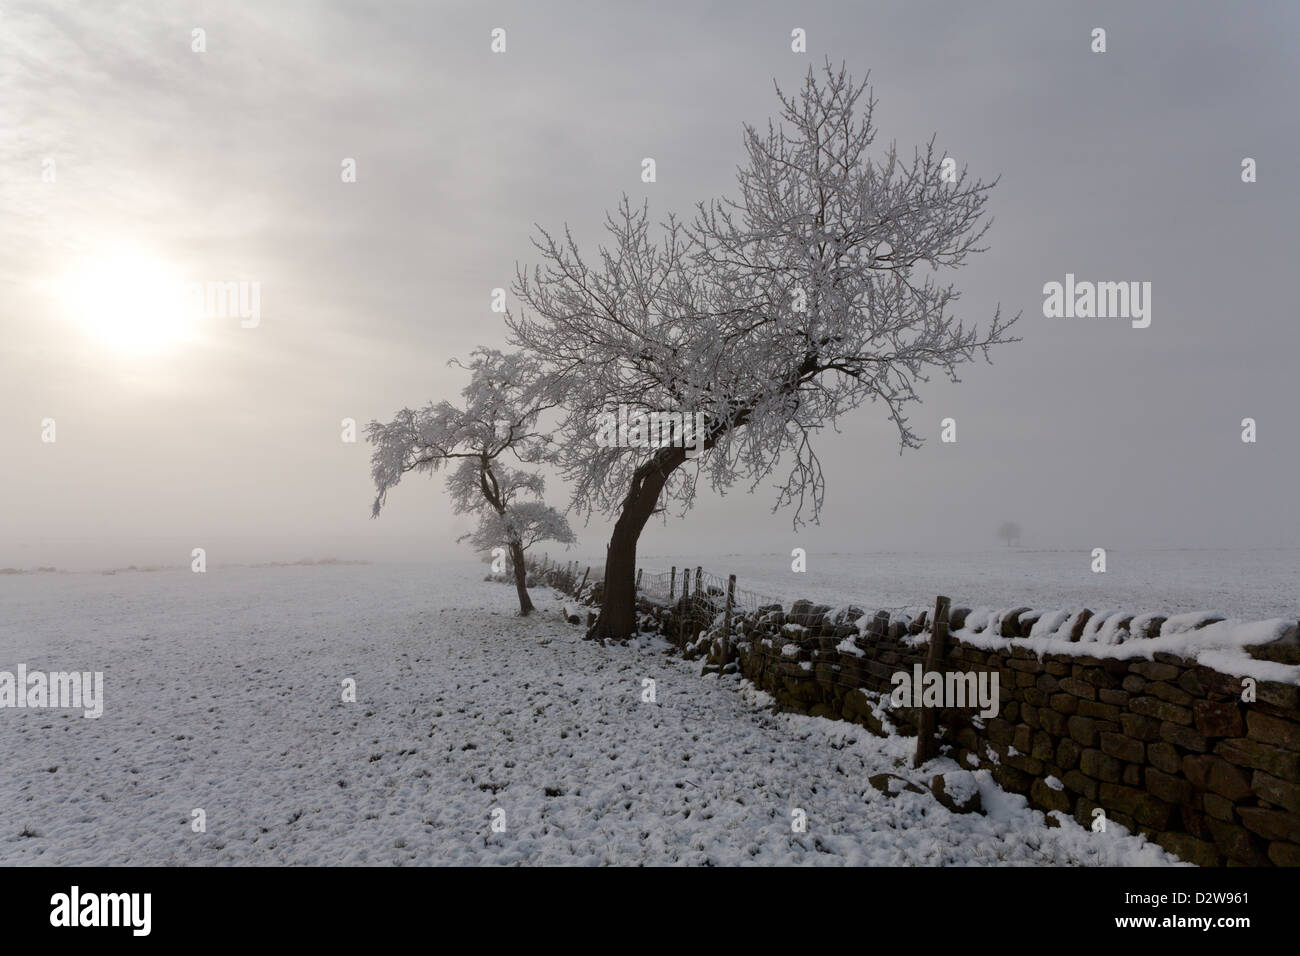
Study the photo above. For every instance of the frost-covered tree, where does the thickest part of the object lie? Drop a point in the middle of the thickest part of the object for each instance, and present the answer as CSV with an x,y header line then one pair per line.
x,y
1009,531
773,313
499,415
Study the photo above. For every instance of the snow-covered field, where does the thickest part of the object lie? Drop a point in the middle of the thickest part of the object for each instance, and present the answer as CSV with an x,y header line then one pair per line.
x,y
223,692
1250,585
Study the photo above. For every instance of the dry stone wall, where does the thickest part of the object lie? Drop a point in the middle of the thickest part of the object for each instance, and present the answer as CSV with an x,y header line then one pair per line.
x,y
1160,742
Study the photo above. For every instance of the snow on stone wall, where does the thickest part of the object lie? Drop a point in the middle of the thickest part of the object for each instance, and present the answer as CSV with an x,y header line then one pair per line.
x,y
1185,729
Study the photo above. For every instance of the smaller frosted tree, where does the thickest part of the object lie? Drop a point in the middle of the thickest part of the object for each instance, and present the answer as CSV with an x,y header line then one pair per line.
x,y
498,416
1009,531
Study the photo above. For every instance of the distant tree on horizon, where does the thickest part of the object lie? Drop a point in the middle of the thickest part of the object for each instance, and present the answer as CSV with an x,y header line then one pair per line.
x,y
1009,531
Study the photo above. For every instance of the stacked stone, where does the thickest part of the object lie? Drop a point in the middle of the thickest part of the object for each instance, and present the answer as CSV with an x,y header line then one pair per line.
x,y
1166,747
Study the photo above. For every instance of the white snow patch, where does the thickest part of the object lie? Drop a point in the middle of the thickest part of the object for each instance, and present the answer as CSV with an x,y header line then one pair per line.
x,y
225,694
1049,623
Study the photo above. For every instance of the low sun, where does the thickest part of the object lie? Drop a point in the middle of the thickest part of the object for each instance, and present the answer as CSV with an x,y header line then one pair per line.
x,y
130,302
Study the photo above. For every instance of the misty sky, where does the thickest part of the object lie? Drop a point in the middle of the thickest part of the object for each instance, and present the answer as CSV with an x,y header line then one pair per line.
x,y
225,165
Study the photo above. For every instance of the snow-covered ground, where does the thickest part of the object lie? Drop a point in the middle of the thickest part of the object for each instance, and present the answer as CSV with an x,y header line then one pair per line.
x,y
223,692
1250,585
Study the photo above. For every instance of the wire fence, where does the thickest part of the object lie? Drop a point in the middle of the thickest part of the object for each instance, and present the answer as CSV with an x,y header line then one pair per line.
x,y
570,578
683,587
671,586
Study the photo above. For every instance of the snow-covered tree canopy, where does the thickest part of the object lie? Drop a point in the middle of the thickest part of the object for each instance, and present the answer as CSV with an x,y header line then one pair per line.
x,y
772,313
499,415
527,522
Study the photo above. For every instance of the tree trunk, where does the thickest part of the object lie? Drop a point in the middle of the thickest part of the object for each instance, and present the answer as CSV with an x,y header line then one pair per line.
x,y
521,578
617,619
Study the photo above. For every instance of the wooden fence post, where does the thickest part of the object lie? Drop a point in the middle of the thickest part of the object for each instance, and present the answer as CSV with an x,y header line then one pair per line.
x,y
928,719
638,579
672,583
584,582
698,573
726,618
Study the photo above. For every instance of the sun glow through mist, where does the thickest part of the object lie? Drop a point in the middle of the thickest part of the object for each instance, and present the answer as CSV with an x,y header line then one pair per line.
x,y
133,303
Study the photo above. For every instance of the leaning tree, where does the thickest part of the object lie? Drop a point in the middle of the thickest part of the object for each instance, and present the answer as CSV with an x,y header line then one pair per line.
x,y
772,313
500,413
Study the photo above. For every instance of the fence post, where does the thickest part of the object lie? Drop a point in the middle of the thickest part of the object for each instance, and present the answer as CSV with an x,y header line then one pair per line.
x,y
698,573
638,580
672,583
926,723
584,582
726,619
